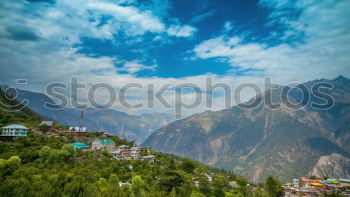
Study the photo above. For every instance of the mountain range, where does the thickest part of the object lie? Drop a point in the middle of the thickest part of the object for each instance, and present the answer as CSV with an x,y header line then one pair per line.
x,y
284,142
131,127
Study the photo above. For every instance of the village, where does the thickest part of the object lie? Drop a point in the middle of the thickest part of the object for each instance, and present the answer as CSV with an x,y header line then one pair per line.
x,y
307,187
81,141
310,187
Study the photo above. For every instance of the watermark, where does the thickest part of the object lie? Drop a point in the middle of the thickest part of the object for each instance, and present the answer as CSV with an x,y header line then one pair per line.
x,y
181,96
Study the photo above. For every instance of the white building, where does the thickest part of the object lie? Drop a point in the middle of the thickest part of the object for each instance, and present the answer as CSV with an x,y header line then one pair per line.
x,y
14,130
77,129
135,153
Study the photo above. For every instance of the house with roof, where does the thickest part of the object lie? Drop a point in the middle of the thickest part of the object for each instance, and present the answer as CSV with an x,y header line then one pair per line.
x,y
344,182
149,158
100,145
123,146
124,152
80,145
75,131
14,130
116,154
47,123
135,152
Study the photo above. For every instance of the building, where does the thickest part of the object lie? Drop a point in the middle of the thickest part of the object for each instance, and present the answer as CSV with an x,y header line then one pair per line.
x,y
50,125
47,123
233,183
149,158
74,131
135,153
344,182
80,145
14,130
125,153
116,154
77,129
101,145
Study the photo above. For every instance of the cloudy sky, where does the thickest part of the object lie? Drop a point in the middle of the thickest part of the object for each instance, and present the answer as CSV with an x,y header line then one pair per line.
x,y
172,41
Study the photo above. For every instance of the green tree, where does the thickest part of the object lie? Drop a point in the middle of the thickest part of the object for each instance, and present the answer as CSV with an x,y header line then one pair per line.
x,y
273,187
197,194
44,128
7,167
172,193
188,166
219,183
113,179
241,181
204,185
137,186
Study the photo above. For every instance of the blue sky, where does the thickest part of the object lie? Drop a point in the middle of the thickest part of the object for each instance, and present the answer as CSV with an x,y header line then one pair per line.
x,y
172,54
173,41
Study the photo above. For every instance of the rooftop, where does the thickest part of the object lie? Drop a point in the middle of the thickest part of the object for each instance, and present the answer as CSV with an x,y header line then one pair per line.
x,y
115,152
123,146
14,126
48,123
148,157
334,181
79,145
344,180
106,141
78,129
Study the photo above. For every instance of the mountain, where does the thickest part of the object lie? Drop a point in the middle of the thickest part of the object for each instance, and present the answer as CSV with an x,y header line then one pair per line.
x,y
13,112
255,143
132,127
58,169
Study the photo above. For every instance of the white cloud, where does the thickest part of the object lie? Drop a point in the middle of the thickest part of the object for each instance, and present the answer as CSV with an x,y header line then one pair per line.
x,y
181,31
142,21
322,54
135,66
52,58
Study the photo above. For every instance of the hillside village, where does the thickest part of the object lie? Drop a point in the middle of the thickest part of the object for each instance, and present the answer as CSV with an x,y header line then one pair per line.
x,y
314,186
303,186
120,152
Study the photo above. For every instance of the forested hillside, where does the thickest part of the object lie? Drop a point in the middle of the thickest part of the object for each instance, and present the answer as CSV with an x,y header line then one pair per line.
x,y
38,165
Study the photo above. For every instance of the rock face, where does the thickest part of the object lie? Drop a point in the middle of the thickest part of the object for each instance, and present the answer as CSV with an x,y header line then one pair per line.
x,y
131,127
258,142
334,165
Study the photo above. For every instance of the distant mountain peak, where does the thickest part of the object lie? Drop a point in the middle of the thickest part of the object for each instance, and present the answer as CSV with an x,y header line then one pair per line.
x,y
340,77
342,80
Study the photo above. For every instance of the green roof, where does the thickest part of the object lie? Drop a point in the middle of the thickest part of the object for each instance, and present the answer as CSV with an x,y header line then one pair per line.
x,y
79,145
335,181
106,141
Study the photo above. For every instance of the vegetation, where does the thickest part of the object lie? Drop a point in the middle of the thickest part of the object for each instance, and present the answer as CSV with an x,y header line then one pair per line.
x,y
38,165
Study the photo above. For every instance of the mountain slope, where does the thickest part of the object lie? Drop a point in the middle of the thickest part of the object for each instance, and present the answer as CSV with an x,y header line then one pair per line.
x,y
255,143
132,127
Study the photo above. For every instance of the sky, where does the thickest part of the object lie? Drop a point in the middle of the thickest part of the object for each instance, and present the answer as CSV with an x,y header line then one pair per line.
x,y
172,41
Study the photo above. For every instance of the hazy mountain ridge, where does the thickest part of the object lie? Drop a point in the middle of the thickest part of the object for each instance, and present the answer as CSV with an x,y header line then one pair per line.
x,y
132,127
284,142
